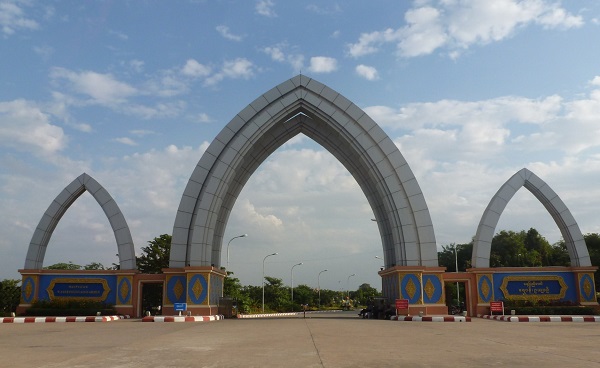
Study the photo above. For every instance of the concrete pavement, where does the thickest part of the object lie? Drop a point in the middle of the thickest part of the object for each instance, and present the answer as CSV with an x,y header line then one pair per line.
x,y
320,340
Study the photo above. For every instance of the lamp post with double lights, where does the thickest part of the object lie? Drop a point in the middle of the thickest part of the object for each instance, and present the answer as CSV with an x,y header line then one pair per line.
x,y
456,265
292,275
348,284
263,280
319,286
235,237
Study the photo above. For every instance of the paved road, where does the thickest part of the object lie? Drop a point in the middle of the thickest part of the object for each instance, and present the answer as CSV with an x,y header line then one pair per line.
x,y
321,340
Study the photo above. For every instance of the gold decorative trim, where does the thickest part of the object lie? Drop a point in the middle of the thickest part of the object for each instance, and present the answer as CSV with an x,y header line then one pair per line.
x,y
588,287
429,289
489,287
125,290
528,283
103,282
178,289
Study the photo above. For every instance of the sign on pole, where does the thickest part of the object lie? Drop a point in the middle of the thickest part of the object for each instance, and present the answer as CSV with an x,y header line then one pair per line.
x,y
496,307
180,307
401,305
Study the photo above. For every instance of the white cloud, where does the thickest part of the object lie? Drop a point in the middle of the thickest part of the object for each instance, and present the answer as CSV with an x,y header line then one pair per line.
x,y
193,68
324,10
137,65
127,141
322,64
225,33
201,118
367,72
275,53
278,53
457,25
265,8
233,69
24,126
103,89
13,18
44,51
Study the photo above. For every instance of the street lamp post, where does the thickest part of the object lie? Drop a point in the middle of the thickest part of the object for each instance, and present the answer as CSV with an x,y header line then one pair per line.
x,y
235,237
292,274
383,265
456,265
263,280
319,286
348,284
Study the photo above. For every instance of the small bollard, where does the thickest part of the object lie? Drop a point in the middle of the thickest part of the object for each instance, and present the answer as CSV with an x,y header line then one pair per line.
x,y
12,314
420,313
513,312
147,313
98,313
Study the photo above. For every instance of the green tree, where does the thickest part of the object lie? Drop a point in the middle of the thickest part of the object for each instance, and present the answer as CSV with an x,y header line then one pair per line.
x,y
559,255
155,256
64,266
232,288
10,296
366,292
304,294
508,249
277,296
447,258
592,241
94,266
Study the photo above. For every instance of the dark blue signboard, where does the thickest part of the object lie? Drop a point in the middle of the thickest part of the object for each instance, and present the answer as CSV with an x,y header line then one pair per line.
x,y
78,290
528,287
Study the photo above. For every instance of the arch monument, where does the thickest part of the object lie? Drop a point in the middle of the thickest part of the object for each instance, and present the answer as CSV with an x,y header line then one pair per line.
x,y
302,105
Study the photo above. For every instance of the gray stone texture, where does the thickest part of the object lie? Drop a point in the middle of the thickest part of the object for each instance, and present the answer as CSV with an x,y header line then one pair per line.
x,y
58,207
302,105
565,221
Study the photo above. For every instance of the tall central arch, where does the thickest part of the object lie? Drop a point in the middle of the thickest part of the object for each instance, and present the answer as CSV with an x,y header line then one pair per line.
x,y
303,105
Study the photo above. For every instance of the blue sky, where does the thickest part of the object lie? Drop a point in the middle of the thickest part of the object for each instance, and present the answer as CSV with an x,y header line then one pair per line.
x,y
132,93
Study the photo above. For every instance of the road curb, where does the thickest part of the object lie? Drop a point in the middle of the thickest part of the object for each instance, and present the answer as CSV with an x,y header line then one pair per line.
x,y
431,319
61,319
217,317
541,318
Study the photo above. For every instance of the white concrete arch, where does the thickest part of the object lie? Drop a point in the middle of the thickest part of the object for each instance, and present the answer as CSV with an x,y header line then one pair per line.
x,y
482,243
60,205
303,105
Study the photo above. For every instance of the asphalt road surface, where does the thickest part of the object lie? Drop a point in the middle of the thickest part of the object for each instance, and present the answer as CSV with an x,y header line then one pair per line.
x,y
321,340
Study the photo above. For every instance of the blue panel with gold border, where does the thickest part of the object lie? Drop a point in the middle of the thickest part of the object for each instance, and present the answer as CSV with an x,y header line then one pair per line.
x,y
539,285
124,289
95,287
29,289
176,287
410,287
433,289
197,289
485,288
587,287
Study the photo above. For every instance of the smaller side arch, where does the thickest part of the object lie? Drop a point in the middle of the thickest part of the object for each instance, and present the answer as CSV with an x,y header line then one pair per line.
x,y
60,205
482,243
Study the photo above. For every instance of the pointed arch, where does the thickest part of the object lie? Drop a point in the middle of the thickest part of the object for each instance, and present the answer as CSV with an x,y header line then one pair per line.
x,y
60,205
303,105
482,243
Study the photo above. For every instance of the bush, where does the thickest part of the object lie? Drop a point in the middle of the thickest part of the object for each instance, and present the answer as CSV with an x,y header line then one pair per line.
x,y
557,310
69,307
